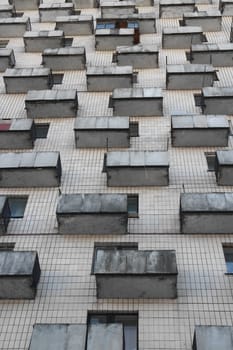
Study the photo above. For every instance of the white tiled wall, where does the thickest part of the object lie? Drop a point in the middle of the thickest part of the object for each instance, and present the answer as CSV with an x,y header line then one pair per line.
x,y
67,290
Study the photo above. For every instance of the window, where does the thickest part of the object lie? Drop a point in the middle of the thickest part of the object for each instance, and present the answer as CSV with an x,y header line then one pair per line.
x,y
17,206
3,44
116,245
133,129
228,253
57,78
7,246
41,130
105,26
210,158
68,42
132,205
128,322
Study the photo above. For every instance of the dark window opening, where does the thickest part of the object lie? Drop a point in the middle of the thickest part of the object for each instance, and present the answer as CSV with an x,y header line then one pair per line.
x,y
228,253
76,12
104,170
17,206
132,205
129,321
9,246
57,78
3,44
211,160
68,42
41,130
116,245
133,129
198,100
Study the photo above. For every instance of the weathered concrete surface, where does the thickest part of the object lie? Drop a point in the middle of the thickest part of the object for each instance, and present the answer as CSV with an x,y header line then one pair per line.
x,y
217,100
206,213
25,4
210,20
75,25
213,337
219,55
6,11
107,78
138,56
65,58
105,336
34,169
92,214
109,39
190,76
181,37
224,167
135,274
99,132
4,214
51,103
175,8
137,102
80,4
20,80
226,7
37,41
16,134
199,131
48,12
14,27
58,337
7,59
144,3
137,168
19,274
109,8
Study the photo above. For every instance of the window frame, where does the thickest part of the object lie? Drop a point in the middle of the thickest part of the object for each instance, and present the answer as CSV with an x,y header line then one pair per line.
x,y
14,197
110,318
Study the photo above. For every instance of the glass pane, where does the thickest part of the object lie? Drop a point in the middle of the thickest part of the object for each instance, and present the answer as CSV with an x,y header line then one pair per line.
x,y
41,130
17,206
133,205
95,319
130,337
229,265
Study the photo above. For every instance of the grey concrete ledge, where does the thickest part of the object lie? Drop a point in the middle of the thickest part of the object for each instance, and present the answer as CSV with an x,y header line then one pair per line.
x,y
16,134
62,336
99,132
137,102
190,76
131,273
75,25
19,274
139,56
206,213
92,214
65,58
219,55
51,104
21,80
37,41
49,11
14,26
7,59
30,169
199,130
137,168
213,337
